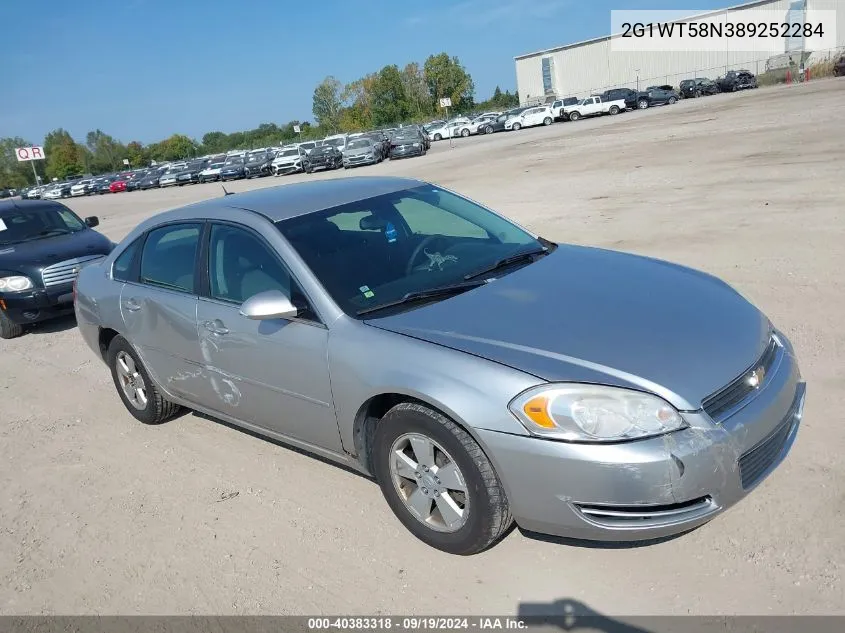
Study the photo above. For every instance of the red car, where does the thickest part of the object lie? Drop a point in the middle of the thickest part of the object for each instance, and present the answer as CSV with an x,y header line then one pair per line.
x,y
117,186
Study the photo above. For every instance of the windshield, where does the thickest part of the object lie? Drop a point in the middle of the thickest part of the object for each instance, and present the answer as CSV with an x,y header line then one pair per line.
x,y
288,152
359,142
335,142
378,250
215,166
24,224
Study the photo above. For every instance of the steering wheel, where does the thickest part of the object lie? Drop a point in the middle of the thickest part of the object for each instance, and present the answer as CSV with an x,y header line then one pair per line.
x,y
419,249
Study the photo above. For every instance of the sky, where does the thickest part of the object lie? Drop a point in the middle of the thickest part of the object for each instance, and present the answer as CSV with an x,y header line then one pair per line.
x,y
145,69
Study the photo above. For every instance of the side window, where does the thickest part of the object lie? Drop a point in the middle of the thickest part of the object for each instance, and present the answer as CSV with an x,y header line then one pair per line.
x,y
169,257
122,266
241,266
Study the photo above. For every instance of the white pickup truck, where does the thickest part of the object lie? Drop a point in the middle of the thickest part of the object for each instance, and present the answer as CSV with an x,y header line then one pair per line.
x,y
593,106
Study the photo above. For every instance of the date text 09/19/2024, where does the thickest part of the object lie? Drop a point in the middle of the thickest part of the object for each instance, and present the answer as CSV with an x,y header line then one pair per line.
x,y
416,623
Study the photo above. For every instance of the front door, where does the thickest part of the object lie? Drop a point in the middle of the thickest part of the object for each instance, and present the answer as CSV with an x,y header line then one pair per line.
x,y
271,374
159,309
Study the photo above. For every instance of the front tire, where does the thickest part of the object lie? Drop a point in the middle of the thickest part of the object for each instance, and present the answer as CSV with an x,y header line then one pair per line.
x,y
614,110
8,328
642,104
488,129
437,137
464,132
672,100
516,127
574,116
438,481
139,394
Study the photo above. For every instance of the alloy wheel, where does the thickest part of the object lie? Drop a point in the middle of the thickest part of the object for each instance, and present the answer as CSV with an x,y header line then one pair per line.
x,y
429,482
131,381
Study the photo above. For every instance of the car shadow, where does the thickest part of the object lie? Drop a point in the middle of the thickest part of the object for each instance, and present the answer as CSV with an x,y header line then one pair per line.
x,y
53,326
571,615
572,542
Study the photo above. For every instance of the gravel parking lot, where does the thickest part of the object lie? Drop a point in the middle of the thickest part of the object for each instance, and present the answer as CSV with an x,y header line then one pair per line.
x,y
100,514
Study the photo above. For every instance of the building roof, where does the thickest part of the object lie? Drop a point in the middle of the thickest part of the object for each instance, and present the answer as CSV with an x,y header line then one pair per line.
x,y
548,51
288,201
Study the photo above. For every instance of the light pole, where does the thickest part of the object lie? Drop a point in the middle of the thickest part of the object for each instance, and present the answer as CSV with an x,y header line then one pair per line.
x,y
638,79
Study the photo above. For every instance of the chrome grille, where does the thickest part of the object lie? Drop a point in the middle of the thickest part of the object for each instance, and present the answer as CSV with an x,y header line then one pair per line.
x,y
722,403
65,272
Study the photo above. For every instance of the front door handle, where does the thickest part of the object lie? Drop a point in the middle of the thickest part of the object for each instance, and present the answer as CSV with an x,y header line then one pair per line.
x,y
215,327
132,305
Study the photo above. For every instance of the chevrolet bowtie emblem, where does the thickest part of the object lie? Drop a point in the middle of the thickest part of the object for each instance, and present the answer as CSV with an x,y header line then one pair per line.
x,y
757,377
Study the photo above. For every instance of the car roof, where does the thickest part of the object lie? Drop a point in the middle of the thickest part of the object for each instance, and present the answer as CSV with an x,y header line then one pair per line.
x,y
9,205
293,200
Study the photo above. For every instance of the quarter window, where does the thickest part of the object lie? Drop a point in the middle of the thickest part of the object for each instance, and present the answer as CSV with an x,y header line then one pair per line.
x,y
122,267
169,257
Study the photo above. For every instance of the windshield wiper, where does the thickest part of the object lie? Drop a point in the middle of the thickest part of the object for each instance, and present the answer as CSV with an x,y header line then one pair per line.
x,y
421,295
507,261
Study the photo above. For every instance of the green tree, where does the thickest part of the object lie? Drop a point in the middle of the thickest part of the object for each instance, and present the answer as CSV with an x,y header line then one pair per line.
x,y
107,154
178,147
389,102
327,103
64,157
416,90
445,77
137,155
213,142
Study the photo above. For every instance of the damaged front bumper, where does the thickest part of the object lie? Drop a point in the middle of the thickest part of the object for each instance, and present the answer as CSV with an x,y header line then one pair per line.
x,y
654,487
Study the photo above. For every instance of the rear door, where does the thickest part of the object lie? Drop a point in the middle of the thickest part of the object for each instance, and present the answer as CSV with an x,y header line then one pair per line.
x,y
159,308
271,374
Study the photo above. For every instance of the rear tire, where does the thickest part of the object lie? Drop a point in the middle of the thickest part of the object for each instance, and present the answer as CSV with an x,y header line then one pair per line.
x,y
614,110
547,120
8,328
129,373
480,512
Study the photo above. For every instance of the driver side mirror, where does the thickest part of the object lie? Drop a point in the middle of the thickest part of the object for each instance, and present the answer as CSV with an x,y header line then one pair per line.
x,y
270,304
92,221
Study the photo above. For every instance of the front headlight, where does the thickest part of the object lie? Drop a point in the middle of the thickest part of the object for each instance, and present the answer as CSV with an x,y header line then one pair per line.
x,y
594,413
15,283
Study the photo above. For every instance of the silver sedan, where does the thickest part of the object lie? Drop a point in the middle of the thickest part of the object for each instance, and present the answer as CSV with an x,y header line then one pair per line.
x,y
481,373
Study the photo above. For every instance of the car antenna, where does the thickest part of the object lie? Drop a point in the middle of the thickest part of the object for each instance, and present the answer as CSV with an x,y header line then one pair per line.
x,y
226,193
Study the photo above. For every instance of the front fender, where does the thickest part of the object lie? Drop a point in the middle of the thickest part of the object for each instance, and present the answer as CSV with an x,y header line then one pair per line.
x,y
365,361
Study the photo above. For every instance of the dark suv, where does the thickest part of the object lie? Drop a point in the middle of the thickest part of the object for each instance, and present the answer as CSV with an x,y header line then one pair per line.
x,y
43,245
737,80
698,87
633,99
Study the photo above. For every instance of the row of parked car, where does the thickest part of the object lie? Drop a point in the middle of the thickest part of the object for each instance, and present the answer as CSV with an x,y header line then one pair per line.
x,y
609,102
336,151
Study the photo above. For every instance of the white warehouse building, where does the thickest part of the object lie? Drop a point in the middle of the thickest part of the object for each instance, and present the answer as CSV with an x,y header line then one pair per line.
x,y
592,66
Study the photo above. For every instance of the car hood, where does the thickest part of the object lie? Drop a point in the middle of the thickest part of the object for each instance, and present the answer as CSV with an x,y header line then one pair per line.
x,y
591,315
355,151
40,253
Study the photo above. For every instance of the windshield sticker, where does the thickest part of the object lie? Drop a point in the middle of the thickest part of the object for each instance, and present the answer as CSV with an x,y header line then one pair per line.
x,y
436,259
390,233
365,290
2,225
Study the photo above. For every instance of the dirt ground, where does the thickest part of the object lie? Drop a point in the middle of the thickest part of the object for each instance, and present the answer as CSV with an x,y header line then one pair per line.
x,y
100,514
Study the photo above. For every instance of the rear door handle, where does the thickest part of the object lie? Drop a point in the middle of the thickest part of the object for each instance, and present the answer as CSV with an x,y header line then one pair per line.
x,y
132,305
215,327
